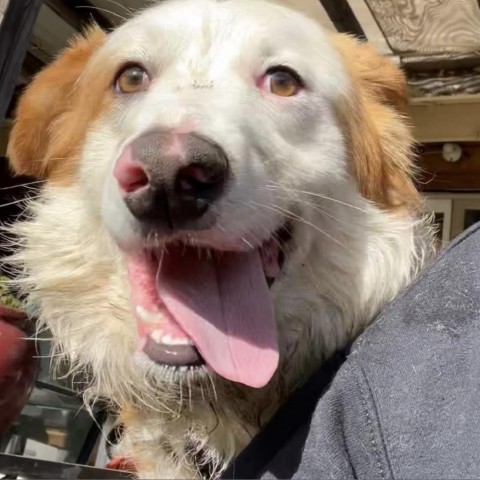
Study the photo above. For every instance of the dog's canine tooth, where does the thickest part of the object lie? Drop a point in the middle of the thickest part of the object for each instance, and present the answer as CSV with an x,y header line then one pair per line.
x,y
148,317
167,340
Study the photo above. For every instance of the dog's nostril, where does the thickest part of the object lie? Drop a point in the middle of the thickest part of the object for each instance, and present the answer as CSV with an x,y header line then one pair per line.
x,y
137,180
197,180
130,175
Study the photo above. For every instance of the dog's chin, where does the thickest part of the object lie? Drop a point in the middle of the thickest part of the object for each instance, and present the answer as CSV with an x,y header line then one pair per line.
x,y
204,307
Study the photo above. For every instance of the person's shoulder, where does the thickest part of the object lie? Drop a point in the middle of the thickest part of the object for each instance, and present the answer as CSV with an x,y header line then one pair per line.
x,y
418,366
472,234
440,300
399,399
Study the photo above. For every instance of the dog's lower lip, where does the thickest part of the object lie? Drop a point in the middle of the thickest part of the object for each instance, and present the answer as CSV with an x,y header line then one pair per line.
x,y
173,355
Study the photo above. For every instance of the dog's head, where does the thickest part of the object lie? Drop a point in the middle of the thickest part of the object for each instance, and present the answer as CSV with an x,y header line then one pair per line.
x,y
200,163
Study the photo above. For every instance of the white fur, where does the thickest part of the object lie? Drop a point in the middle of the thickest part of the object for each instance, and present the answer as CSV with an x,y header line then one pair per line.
x,y
347,259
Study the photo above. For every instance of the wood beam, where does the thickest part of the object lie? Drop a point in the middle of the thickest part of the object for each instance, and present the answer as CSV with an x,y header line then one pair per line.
x,y
444,83
445,61
370,26
15,34
343,17
453,118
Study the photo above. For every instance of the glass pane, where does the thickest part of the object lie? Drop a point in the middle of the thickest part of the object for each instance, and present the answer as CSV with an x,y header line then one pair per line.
x,y
439,218
53,424
471,217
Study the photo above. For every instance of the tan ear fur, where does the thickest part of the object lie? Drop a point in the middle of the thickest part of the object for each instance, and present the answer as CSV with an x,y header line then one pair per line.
x,y
379,133
45,135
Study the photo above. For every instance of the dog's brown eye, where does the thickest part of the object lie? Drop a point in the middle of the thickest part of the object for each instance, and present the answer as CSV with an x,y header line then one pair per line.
x,y
132,79
283,82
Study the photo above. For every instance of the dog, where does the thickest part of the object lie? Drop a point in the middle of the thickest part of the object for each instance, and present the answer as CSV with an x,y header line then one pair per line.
x,y
228,198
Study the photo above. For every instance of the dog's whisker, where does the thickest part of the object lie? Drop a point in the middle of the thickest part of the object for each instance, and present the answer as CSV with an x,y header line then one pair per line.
x,y
295,217
256,239
316,194
105,10
47,356
118,4
322,210
180,401
212,383
244,240
189,385
18,202
22,185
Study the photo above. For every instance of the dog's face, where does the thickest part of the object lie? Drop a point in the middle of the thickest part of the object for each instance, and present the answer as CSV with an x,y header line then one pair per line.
x,y
184,155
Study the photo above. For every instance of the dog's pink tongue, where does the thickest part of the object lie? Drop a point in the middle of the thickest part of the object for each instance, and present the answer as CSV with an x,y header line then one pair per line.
x,y
223,303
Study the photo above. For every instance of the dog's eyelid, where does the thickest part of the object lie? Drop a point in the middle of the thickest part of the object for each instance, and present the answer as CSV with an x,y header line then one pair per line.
x,y
280,67
283,68
128,64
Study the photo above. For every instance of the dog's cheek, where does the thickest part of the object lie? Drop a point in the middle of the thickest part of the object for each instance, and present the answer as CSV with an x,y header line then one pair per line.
x,y
98,157
249,203
69,133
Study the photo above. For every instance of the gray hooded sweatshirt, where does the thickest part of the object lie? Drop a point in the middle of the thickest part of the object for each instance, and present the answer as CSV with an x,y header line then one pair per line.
x,y
402,403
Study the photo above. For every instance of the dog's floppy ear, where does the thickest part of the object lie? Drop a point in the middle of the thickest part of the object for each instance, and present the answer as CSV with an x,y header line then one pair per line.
x,y
34,142
379,131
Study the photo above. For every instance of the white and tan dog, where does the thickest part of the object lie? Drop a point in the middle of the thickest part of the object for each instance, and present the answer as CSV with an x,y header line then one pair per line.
x,y
228,199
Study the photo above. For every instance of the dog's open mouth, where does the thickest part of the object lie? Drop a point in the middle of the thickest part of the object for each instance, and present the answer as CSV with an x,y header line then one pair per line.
x,y
212,307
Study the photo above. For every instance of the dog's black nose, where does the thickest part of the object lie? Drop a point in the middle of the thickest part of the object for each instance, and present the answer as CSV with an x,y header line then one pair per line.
x,y
172,179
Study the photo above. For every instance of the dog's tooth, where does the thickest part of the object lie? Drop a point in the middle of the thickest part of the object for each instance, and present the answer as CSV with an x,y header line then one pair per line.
x,y
147,316
157,336
167,340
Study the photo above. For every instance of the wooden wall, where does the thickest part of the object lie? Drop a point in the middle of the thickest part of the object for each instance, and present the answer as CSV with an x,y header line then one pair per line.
x,y
454,118
438,175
